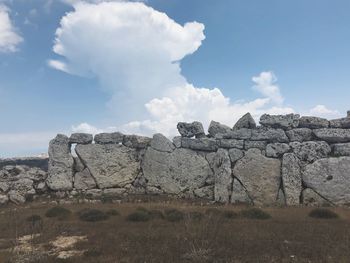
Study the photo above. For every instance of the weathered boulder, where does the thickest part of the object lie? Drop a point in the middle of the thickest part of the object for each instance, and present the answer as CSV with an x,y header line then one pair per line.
x,y
223,176
4,186
137,142
81,138
175,172
191,129
285,122
291,179
109,138
217,127
111,165
255,144
239,194
16,197
313,122
23,186
60,177
260,176
333,135
230,143
300,135
310,151
3,199
269,134
177,141
340,123
162,143
246,121
83,180
235,154
281,198
341,149
201,144
310,198
78,165
276,150
330,178
206,192
113,192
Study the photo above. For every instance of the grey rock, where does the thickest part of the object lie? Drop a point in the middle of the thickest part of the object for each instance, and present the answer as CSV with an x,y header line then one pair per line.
x,y
41,187
310,151
330,178
60,164
216,127
235,154
16,197
255,144
162,143
313,122
81,138
190,130
78,165
281,199
291,179
238,134
109,138
154,190
310,198
201,144
230,143
268,134
239,194
114,192
285,122
341,149
206,192
276,150
300,135
340,123
93,193
333,135
246,121
137,142
4,187
223,176
3,199
83,180
111,165
177,141
260,176
175,172
23,186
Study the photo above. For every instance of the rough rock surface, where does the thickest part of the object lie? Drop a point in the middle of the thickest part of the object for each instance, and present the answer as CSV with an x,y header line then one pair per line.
x,y
276,150
239,194
60,164
313,122
3,199
81,138
255,144
333,135
235,154
238,134
246,121
223,176
175,172
340,123
300,135
285,122
217,127
111,165
206,192
201,144
162,143
230,143
83,180
190,130
330,178
137,142
311,151
269,134
109,138
341,149
310,198
291,179
260,176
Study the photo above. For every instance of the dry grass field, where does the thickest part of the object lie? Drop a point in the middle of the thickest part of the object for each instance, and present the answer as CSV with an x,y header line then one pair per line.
x,y
170,231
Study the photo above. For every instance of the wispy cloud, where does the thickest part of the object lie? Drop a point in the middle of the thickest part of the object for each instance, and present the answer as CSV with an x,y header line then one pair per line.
x,y
9,38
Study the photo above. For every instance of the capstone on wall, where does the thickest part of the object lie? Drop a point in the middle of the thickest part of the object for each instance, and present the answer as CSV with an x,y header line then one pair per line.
x,y
286,160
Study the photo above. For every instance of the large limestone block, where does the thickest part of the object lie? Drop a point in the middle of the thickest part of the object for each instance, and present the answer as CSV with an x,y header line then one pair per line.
x,y
83,180
81,138
61,162
291,179
137,142
341,149
299,135
162,143
109,138
216,127
285,122
340,123
200,144
310,198
230,143
276,150
260,176
222,176
311,151
239,194
175,172
313,122
190,130
269,134
333,135
111,165
246,121
239,134
330,177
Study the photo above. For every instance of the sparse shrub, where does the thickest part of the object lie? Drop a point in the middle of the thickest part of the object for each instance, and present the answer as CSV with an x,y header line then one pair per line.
x,y
58,212
139,216
93,252
229,214
255,213
106,199
323,213
213,211
195,215
33,219
156,214
112,212
92,215
173,215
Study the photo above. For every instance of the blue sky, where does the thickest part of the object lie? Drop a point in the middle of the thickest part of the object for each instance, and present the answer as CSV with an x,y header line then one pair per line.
x,y
298,52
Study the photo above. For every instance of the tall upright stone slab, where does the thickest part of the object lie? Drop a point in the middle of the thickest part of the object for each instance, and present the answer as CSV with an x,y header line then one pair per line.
x,y
223,176
291,179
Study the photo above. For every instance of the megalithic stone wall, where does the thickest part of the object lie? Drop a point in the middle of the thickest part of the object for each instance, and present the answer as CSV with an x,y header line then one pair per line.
x,y
287,160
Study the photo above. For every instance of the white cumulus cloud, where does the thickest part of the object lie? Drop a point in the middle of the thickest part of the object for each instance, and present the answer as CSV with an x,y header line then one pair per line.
x,y
86,128
323,111
9,38
265,83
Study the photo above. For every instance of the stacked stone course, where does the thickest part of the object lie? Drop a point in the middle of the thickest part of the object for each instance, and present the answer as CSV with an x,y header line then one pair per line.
x,y
286,160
